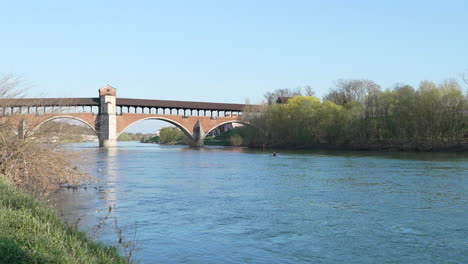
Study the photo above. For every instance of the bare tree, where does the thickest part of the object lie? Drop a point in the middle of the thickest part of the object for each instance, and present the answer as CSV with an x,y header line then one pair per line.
x,y
449,85
464,77
271,97
309,91
346,91
9,84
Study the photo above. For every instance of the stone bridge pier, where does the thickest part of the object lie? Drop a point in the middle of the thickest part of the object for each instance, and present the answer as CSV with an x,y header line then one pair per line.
x,y
198,136
107,118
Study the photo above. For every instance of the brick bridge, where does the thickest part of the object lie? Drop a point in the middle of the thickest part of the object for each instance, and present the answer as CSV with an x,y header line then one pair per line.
x,y
108,116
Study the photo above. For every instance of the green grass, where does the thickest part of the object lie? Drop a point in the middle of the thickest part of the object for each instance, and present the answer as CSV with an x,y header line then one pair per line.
x,y
31,232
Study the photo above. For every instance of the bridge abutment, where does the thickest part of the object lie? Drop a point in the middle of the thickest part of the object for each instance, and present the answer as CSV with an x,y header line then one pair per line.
x,y
107,131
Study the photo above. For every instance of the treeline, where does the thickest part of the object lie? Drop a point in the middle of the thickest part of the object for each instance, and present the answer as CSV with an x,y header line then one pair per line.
x,y
169,136
133,136
62,126
358,114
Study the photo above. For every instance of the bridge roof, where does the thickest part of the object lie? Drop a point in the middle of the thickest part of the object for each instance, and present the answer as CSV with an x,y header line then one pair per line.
x,y
30,102
39,102
179,104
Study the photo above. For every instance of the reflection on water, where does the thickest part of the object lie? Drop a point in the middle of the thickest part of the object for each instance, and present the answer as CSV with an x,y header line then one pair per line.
x,y
235,205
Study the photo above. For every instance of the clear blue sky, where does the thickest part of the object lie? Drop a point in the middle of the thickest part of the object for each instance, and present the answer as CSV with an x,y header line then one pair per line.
x,y
228,51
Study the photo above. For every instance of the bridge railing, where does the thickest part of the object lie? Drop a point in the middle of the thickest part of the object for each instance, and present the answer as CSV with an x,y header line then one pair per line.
x,y
42,106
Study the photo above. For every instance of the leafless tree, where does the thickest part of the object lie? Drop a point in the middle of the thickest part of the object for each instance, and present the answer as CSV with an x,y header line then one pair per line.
x,y
464,77
271,97
9,84
346,91
309,91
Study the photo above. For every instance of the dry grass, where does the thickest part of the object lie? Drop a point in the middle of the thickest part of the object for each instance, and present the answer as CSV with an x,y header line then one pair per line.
x,y
39,168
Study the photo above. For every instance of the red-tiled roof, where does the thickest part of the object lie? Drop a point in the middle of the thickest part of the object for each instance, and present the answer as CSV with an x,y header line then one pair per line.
x,y
30,102
179,104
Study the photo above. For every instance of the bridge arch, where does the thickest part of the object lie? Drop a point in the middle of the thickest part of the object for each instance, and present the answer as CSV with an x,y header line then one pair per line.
x,y
234,121
178,125
36,128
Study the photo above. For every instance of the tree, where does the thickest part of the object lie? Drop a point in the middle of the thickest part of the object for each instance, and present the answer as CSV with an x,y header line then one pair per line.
x,y
453,105
358,114
309,91
10,86
171,135
125,137
271,97
331,122
305,111
465,77
346,91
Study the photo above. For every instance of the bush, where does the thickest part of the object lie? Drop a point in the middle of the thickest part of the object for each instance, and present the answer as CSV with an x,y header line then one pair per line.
x,y
235,140
171,135
39,168
35,167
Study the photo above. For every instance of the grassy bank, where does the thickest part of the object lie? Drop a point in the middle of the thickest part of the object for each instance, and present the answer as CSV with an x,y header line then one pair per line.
x,y
31,232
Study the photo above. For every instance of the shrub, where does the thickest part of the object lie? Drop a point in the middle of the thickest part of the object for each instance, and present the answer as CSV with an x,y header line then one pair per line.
x,y
171,135
35,167
235,140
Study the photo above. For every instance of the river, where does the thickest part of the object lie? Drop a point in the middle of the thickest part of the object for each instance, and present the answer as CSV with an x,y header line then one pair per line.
x,y
237,205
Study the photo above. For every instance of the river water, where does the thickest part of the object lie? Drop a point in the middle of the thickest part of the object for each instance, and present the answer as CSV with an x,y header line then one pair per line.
x,y
236,205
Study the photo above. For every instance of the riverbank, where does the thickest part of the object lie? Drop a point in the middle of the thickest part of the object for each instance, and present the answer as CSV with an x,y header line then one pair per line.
x,y
243,137
409,145
31,232
382,145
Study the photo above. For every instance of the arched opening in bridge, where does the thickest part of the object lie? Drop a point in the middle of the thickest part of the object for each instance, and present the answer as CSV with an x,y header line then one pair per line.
x,y
63,129
234,133
155,130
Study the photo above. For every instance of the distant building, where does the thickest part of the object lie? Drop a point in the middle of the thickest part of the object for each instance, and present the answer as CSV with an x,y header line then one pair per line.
x,y
282,99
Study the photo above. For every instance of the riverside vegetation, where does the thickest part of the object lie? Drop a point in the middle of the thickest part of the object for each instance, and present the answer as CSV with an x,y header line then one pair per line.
x,y
357,114
30,170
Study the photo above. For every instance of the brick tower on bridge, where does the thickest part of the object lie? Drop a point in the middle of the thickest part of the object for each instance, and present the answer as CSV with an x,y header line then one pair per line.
x,y
107,118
